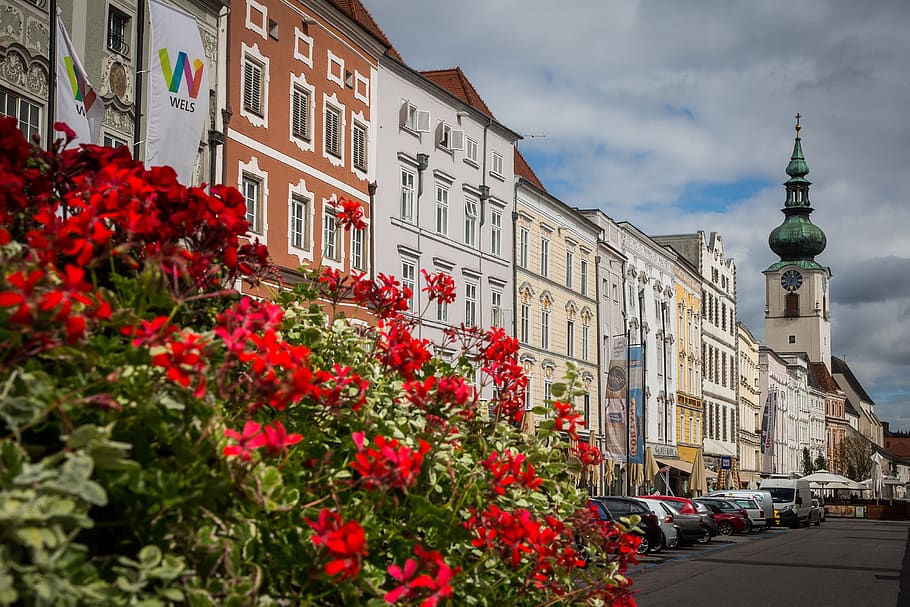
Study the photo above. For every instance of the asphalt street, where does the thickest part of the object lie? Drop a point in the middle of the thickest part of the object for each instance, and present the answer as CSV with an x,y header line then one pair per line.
x,y
842,563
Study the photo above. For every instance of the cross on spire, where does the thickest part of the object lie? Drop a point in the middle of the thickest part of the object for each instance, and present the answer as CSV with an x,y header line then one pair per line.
x,y
797,123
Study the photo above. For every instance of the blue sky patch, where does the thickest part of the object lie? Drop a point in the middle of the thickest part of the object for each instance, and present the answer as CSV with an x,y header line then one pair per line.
x,y
718,197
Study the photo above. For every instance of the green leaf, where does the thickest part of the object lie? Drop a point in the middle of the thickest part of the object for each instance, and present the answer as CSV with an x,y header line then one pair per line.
x,y
93,493
199,598
172,594
558,390
271,480
150,556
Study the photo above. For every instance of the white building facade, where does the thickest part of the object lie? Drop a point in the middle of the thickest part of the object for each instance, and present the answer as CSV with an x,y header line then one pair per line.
x,y
650,305
443,200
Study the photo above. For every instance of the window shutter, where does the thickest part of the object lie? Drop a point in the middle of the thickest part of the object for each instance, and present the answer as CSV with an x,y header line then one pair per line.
x,y
359,152
441,134
456,140
403,114
252,88
423,121
301,114
331,131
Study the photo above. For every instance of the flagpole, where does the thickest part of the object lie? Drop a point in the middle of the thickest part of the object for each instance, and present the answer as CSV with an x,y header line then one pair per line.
x,y
140,38
52,76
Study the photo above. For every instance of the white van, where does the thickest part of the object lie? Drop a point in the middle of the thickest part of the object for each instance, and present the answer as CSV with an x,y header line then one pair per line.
x,y
759,495
792,500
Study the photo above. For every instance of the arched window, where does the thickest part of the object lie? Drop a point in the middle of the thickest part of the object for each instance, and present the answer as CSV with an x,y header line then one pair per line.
x,y
792,307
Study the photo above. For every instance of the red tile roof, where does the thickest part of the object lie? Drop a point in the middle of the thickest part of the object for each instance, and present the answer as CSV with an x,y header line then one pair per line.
x,y
523,169
824,379
455,82
898,446
362,17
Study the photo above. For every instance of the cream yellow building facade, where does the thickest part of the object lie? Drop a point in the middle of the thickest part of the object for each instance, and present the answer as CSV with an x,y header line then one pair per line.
x,y
555,298
689,409
749,408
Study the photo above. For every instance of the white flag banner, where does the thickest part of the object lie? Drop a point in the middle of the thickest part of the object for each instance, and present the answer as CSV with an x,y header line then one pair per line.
x,y
178,90
78,105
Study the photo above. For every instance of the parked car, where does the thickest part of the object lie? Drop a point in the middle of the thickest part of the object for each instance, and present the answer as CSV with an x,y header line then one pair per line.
x,y
694,525
668,527
762,497
619,507
817,514
731,518
710,521
756,520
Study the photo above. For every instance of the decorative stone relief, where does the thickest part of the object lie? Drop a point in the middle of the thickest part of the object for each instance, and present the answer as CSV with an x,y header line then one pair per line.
x,y
37,80
37,36
11,23
210,46
13,68
118,119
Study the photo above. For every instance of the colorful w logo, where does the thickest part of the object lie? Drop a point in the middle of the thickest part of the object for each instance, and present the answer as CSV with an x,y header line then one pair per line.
x,y
181,69
82,90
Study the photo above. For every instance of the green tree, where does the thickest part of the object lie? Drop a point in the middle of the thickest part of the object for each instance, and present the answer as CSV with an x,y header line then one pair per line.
x,y
821,463
807,462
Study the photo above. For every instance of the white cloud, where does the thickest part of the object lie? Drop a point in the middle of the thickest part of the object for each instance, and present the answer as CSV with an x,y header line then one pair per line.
x,y
640,100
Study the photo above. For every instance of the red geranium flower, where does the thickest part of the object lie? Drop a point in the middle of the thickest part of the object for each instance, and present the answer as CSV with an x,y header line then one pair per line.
x,y
346,542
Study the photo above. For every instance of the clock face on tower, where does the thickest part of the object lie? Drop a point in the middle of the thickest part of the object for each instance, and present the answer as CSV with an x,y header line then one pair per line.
x,y
791,280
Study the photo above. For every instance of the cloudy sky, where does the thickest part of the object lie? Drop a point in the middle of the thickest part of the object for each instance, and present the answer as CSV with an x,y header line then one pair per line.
x,y
678,116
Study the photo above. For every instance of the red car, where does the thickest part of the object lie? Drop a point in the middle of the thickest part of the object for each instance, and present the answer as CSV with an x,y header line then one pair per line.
x,y
687,507
694,525
731,517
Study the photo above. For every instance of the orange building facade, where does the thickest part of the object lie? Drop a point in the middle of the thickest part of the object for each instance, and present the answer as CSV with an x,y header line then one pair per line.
x,y
301,101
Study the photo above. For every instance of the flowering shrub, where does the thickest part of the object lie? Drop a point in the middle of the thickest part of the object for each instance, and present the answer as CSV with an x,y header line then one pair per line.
x,y
164,440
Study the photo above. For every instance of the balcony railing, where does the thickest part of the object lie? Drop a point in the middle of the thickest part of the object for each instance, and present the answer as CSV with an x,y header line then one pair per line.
x,y
118,45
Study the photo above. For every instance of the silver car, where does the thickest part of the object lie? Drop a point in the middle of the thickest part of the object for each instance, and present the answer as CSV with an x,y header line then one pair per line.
x,y
755,513
665,515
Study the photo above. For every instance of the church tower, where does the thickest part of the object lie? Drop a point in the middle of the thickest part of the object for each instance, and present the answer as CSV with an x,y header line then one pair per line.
x,y
797,311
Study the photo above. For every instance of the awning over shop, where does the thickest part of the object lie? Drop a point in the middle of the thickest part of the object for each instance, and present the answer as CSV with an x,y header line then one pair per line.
x,y
678,464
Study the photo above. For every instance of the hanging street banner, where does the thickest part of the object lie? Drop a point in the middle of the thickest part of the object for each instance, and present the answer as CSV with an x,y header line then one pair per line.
x,y
178,91
78,105
615,418
636,404
767,433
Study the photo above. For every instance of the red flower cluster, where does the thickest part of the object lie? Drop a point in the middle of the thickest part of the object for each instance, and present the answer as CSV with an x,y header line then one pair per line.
x,y
385,298
399,350
345,543
388,463
567,419
440,287
439,394
51,299
150,332
350,215
248,317
184,358
508,468
116,208
426,579
273,437
589,455
342,386
250,331
521,538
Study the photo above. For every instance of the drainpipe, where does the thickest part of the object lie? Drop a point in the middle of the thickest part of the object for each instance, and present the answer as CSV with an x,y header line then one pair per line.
x,y
600,399
423,161
371,189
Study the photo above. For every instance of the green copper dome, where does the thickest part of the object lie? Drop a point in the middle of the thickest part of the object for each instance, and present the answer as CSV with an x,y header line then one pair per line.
x,y
797,238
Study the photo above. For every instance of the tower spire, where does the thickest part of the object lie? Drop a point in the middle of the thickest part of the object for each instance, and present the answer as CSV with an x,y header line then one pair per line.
x,y
797,239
